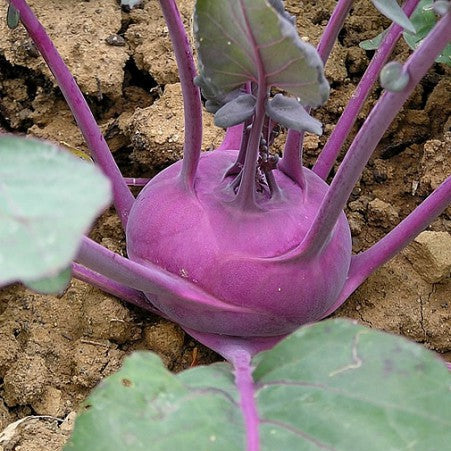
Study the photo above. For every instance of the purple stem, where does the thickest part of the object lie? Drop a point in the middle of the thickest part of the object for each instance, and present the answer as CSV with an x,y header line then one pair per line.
x,y
226,345
123,198
191,95
291,163
239,351
237,167
150,279
241,361
365,263
123,292
245,197
368,137
333,27
332,148
232,138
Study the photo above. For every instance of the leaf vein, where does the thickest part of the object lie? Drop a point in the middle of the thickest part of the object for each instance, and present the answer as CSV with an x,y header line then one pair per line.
x,y
379,404
300,433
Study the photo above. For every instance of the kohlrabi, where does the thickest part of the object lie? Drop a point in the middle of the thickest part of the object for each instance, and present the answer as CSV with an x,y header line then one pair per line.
x,y
241,247
232,221
236,241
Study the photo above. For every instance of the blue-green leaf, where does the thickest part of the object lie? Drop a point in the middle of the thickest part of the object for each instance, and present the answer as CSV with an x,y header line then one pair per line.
x,y
51,285
130,3
393,77
288,112
12,17
441,7
48,200
236,111
373,43
424,19
237,37
393,11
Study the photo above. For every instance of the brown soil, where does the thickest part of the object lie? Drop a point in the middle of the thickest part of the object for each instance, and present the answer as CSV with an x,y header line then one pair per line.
x,y
54,350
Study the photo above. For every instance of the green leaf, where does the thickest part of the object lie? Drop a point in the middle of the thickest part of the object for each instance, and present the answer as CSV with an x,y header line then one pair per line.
x,y
334,385
144,406
373,43
12,17
347,387
445,56
52,285
236,37
424,19
48,200
393,11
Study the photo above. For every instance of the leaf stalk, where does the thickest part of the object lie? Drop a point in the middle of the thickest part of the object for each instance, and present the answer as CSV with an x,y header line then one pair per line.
x,y
329,154
191,95
369,136
123,198
291,163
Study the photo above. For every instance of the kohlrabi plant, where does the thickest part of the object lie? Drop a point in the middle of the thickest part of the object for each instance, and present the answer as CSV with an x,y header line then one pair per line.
x,y
423,20
238,246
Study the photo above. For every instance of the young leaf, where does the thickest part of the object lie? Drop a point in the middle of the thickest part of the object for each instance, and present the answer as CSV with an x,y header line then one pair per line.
x,y
12,17
52,285
236,111
48,199
441,7
291,114
424,19
393,11
279,6
333,385
393,77
373,43
237,37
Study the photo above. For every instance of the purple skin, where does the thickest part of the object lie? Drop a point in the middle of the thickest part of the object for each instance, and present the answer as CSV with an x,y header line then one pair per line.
x,y
304,243
230,252
229,278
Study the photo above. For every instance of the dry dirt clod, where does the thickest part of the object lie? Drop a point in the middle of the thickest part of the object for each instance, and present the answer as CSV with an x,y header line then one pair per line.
x,y
153,52
19,387
33,433
166,339
5,416
79,30
94,360
396,299
430,255
157,132
9,349
382,214
49,403
435,164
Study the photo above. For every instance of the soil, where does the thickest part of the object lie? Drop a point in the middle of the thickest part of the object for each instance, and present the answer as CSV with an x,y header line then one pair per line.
x,y
54,350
